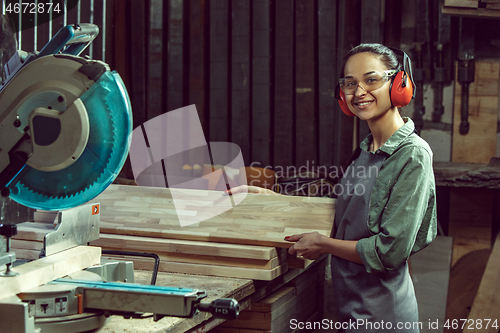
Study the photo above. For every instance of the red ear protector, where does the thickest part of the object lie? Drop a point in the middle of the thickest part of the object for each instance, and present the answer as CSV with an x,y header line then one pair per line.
x,y
401,90
339,94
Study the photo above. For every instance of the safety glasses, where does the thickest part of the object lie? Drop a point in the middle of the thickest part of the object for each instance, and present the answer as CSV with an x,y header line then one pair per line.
x,y
370,81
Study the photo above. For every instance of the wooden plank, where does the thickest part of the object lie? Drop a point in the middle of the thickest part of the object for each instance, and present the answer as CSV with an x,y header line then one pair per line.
x,y
26,244
26,254
274,300
43,216
327,79
462,3
219,30
254,264
494,6
222,261
211,270
305,85
175,55
486,304
283,315
220,329
470,220
240,76
198,55
257,220
467,12
147,244
456,174
478,146
32,231
283,126
251,320
36,273
261,83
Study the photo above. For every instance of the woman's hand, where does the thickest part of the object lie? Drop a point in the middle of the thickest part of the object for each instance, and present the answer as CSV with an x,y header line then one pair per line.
x,y
250,189
309,245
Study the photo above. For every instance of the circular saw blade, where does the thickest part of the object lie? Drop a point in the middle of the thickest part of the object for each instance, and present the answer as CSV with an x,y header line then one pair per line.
x,y
109,112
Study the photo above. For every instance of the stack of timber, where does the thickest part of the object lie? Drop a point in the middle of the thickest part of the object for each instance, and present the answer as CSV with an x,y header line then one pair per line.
x,y
472,8
485,310
492,4
300,300
246,241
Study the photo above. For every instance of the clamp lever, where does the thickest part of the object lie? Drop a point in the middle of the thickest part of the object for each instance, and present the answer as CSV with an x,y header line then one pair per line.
x,y
8,230
225,308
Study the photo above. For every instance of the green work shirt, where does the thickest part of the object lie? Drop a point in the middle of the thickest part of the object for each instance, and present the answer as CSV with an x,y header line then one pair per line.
x,y
402,212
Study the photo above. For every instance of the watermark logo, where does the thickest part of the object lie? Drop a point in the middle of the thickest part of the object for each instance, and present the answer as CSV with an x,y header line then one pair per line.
x,y
171,151
26,14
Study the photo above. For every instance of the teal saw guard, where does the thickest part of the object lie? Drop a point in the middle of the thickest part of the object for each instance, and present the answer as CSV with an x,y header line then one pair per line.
x,y
110,116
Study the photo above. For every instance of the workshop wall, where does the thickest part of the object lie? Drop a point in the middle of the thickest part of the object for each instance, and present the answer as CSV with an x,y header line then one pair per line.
x,y
262,73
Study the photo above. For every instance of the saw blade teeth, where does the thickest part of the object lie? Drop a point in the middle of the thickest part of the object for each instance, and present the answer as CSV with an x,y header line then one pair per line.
x,y
100,160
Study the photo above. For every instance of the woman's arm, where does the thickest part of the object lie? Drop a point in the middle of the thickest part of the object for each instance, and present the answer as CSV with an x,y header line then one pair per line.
x,y
313,245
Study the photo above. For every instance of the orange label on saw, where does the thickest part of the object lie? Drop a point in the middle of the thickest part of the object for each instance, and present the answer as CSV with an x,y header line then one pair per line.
x,y
95,209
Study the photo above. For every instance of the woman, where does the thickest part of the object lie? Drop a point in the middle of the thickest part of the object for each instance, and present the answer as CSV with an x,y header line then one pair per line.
x,y
390,216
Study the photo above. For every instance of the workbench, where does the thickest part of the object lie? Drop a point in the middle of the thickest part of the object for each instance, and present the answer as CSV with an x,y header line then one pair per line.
x,y
244,290
216,287
473,176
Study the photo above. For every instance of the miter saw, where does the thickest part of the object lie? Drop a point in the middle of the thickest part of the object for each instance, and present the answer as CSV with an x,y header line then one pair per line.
x,y
65,129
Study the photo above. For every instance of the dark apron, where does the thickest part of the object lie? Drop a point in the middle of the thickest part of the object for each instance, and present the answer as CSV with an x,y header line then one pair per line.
x,y
372,300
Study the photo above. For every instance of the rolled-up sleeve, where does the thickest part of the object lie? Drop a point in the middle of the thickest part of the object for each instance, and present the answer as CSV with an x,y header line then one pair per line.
x,y
408,221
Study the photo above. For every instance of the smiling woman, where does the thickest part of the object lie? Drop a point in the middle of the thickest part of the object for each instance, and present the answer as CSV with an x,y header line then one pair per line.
x,y
382,217
376,230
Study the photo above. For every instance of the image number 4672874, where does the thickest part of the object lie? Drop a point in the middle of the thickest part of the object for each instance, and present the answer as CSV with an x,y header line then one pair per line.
x,y
26,14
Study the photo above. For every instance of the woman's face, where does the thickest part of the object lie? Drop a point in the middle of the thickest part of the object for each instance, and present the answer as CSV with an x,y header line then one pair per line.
x,y
367,105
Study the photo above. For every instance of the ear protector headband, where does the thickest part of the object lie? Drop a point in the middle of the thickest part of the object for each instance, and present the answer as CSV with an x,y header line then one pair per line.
x,y
401,90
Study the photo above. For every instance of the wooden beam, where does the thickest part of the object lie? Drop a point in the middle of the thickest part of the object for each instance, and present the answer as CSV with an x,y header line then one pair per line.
x,y
257,220
462,3
39,272
469,12
486,304
211,270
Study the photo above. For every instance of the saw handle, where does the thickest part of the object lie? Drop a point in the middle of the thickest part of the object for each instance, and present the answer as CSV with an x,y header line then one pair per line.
x,y
225,308
76,37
